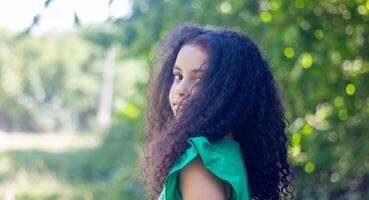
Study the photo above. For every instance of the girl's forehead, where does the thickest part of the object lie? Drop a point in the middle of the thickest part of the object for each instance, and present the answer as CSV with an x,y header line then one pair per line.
x,y
191,58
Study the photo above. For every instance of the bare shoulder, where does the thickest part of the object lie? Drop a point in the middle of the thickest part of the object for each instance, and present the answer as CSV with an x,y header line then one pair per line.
x,y
197,182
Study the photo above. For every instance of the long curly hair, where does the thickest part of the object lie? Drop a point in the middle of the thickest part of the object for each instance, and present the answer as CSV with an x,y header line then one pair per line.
x,y
237,94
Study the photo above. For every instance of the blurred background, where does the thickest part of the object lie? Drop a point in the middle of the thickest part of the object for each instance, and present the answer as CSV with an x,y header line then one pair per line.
x,y
73,83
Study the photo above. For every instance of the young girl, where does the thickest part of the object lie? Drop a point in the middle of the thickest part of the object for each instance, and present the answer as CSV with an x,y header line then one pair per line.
x,y
215,125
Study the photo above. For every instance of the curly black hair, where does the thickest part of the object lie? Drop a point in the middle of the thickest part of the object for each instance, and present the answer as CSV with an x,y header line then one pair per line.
x,y
238,95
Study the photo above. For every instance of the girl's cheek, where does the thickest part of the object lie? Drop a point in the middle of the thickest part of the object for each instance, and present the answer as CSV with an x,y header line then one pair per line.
x,y
171,94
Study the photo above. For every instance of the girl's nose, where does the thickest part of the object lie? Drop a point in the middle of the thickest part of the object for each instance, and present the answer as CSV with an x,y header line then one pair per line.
x,y
183,88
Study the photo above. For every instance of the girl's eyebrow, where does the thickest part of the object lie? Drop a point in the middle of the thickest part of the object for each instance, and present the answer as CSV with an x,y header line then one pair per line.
x,y
193,71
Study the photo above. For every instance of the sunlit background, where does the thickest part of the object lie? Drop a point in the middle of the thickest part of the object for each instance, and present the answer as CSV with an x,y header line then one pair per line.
x,y
17,15
73,84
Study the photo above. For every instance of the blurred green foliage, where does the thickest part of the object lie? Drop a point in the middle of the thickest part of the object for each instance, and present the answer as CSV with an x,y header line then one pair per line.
x,y
48,83
318,51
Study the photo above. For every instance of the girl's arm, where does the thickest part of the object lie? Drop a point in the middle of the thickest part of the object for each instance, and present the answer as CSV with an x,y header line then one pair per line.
x,y
198,183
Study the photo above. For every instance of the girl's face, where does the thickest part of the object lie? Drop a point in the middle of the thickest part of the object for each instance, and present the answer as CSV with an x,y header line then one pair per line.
x,y
187,70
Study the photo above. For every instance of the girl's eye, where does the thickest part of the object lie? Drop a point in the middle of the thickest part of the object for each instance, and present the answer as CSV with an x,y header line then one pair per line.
x,y
177,76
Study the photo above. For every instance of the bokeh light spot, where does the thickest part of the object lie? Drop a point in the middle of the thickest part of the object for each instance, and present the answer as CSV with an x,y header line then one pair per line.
x,y
342,114
307,60
338,101
266,16
309,167
289,52
350,89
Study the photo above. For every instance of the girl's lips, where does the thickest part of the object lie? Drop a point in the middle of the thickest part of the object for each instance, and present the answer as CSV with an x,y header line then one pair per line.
x,y
179,103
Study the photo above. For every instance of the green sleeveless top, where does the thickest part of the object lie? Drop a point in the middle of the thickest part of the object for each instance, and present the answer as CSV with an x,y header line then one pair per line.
x,y
223,158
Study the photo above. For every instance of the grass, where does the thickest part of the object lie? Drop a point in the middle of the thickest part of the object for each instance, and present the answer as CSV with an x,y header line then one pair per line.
x,y
105,168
